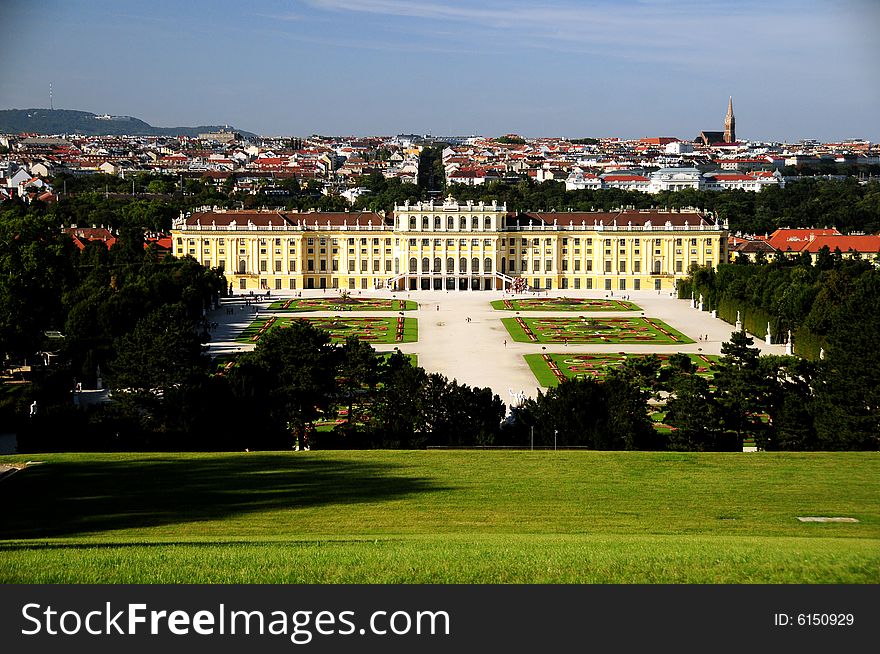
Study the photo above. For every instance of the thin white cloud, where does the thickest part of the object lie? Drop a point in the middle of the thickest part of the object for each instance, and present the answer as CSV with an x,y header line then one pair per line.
x,y
644,30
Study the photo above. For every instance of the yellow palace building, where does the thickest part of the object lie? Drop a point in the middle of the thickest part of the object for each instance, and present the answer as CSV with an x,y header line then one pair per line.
x,y
451,246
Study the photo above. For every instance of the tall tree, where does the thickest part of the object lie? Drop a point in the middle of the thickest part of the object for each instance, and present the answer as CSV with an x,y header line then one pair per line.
x,y
741,391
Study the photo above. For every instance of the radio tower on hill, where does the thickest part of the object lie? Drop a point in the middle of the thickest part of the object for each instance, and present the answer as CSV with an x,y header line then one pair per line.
x,y
51,106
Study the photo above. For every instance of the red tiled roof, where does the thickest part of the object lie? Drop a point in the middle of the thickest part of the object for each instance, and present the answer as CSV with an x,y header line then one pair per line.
x,y
622,218
280,218
625,178
795,239
867,244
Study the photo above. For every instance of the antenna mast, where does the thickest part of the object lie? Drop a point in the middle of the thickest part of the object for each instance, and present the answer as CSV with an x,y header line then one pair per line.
x,y
51,106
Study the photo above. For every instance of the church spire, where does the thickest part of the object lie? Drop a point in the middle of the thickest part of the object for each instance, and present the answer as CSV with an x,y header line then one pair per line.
x,y
730,123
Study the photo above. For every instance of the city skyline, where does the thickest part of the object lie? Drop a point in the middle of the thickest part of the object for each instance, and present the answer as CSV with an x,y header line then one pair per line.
x,y
634,69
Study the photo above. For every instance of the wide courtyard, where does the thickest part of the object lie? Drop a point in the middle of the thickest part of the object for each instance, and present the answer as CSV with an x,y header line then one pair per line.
x,y
464,337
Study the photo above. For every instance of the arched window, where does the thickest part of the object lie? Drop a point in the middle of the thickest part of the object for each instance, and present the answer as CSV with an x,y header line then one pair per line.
x,y
656,267
425,223
426,263
487,224
462,223
397,266
450,223
437,264
450,265
242,267
412,223
475,223
475,265
413,265
436,222
487,265
462,265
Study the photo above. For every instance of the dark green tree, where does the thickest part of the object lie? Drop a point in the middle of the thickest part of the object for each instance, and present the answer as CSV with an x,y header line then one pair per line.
x,y
696,416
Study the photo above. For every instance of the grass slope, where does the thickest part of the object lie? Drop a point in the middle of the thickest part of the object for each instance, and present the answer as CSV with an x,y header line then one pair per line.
x,y
442,516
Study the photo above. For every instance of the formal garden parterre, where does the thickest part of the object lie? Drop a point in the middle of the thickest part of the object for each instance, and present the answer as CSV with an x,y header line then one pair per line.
x,y
370,329
564,304
343,303
582,330
551,369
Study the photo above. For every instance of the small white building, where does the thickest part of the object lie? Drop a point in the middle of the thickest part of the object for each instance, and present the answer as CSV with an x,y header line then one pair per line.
x,y
675,179
578,181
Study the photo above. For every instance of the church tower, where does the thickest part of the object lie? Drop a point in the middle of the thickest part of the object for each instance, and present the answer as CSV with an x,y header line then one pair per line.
x,y
730,123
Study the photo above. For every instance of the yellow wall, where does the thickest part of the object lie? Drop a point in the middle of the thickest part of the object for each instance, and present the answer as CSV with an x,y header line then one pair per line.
x,y
612,259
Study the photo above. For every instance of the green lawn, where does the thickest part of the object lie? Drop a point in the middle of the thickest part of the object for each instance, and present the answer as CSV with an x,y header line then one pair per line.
x,y
371,330
344,304
564,304
573,365
442,516
583,330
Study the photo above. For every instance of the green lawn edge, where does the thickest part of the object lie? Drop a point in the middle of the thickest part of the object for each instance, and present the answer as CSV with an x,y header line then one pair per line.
x,y
518,335
441,516
547,379
498,305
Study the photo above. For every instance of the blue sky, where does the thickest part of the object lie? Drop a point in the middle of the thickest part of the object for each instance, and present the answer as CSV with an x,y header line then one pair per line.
x,y
629,68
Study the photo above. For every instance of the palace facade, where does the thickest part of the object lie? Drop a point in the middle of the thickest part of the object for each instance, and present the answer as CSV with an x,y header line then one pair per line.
x,y
451,246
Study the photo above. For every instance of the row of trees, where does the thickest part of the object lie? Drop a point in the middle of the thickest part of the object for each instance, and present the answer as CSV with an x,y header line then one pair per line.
x,y
829,399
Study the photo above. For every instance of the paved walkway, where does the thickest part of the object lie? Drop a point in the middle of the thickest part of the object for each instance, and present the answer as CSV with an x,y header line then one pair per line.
x,y
474,352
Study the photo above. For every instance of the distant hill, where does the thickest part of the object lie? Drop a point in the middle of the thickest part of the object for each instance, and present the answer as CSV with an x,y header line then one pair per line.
x,y
67,121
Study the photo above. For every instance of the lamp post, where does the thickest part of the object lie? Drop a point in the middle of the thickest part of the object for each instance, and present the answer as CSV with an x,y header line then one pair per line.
x,y
555,434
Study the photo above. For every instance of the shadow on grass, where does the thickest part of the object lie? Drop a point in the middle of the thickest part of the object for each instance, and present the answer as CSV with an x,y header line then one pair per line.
x,y
86,497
